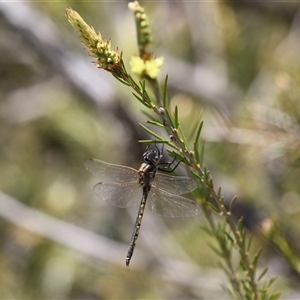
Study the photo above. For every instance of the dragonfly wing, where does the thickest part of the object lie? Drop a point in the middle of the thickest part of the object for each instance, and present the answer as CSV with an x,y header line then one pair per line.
x,y
119,194
110,172
170,205
174,184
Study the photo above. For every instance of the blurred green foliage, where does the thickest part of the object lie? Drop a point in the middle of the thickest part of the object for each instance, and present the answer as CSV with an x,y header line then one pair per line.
x,y
252,148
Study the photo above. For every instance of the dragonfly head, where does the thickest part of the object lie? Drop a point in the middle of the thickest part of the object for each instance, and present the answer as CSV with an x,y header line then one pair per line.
x,y
151,157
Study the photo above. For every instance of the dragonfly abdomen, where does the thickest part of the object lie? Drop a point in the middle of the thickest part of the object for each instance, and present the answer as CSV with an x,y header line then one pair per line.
x,y
137,227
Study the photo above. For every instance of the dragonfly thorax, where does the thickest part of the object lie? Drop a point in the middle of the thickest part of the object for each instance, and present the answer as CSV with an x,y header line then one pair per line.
x,y
147,173
148,168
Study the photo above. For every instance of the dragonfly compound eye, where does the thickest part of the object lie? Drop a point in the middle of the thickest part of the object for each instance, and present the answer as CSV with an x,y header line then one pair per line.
x,y
150,156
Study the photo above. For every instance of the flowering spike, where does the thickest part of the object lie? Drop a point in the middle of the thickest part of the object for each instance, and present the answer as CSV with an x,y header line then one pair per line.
x,y
143,29
144,64
98,47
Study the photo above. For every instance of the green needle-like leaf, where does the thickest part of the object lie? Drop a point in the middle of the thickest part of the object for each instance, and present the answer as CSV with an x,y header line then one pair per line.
x,y
196,175
249,243
232,203
169,118
215,249
198,132
229,237
141,100
182,134
256,257
165,93
155,123
262,274
215,208
151,132
176,117
153,141
219,192
196,154
240,225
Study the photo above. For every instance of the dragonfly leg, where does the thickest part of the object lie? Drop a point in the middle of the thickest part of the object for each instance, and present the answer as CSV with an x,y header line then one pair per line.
x,y
136,230
165,167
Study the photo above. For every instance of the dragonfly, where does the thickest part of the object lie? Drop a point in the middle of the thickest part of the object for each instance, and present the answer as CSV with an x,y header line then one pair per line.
x,y
125,187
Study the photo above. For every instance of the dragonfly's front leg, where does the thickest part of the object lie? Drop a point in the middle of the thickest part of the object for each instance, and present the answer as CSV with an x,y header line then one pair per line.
x,y
137,228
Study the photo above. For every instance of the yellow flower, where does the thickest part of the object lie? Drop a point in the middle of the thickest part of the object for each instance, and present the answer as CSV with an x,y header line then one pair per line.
x,y
149,68
153,67
137,65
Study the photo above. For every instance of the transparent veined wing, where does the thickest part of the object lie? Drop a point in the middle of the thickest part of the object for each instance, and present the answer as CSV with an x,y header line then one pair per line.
x,y
110,172
174,184
124,194
169,205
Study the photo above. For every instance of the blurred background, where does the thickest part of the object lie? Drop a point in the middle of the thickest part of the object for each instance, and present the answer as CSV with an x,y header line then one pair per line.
x,y
234,64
